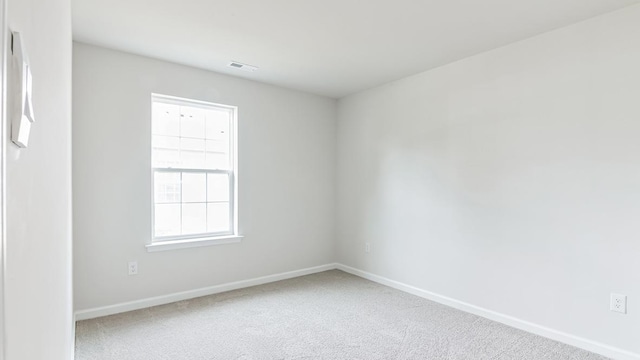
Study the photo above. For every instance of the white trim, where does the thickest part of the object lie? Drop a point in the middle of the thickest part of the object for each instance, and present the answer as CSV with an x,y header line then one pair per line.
x,y
190,294
553,334
176,100
4,51
190,243
72,346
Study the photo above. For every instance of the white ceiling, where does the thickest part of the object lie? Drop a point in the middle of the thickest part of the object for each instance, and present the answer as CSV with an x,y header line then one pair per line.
x,y
327,47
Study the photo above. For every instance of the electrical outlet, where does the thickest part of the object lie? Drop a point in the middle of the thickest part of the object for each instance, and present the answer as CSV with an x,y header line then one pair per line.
x,y
619,303
133,268
367,247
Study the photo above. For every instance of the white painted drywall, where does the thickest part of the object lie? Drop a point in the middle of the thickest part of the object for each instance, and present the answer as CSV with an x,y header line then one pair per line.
x,y
38,288
286,179
509,180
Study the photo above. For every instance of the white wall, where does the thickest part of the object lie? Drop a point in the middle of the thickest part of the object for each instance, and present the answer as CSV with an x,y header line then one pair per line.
x,y
38,290
509,180
286,179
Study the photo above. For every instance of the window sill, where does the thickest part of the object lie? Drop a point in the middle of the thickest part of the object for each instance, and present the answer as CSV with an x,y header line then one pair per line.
x,y
189,243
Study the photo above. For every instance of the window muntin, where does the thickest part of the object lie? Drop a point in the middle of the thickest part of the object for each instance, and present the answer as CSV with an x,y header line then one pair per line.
x,y
193,160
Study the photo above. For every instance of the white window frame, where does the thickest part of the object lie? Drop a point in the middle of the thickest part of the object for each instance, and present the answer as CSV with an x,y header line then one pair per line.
x,y
160,243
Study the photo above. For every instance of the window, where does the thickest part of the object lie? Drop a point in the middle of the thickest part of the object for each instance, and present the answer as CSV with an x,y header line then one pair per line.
x,y
194,170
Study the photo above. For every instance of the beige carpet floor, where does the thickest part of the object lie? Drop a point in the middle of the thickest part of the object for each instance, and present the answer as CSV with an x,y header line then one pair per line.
x,y
330,315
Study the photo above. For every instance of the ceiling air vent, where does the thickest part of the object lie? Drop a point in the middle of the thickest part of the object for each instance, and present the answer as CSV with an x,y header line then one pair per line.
x,y
241,66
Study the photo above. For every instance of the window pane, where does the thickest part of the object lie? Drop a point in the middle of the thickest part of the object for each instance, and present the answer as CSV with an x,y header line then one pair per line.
x,y
192,154
217,187
217,155
192,121
218,124
167,187
195,137
165,119
217,146
194,187
166,151
217,161
194,219
167,218
218,217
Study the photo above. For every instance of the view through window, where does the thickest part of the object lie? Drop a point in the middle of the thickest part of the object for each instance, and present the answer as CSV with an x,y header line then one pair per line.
x,y
193,160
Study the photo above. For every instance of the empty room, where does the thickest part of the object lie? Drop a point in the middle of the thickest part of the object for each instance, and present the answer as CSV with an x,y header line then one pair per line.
x,y
300,179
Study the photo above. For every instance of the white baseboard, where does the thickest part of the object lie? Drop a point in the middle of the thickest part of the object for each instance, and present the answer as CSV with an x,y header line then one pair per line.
x,y
586,344
185,295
